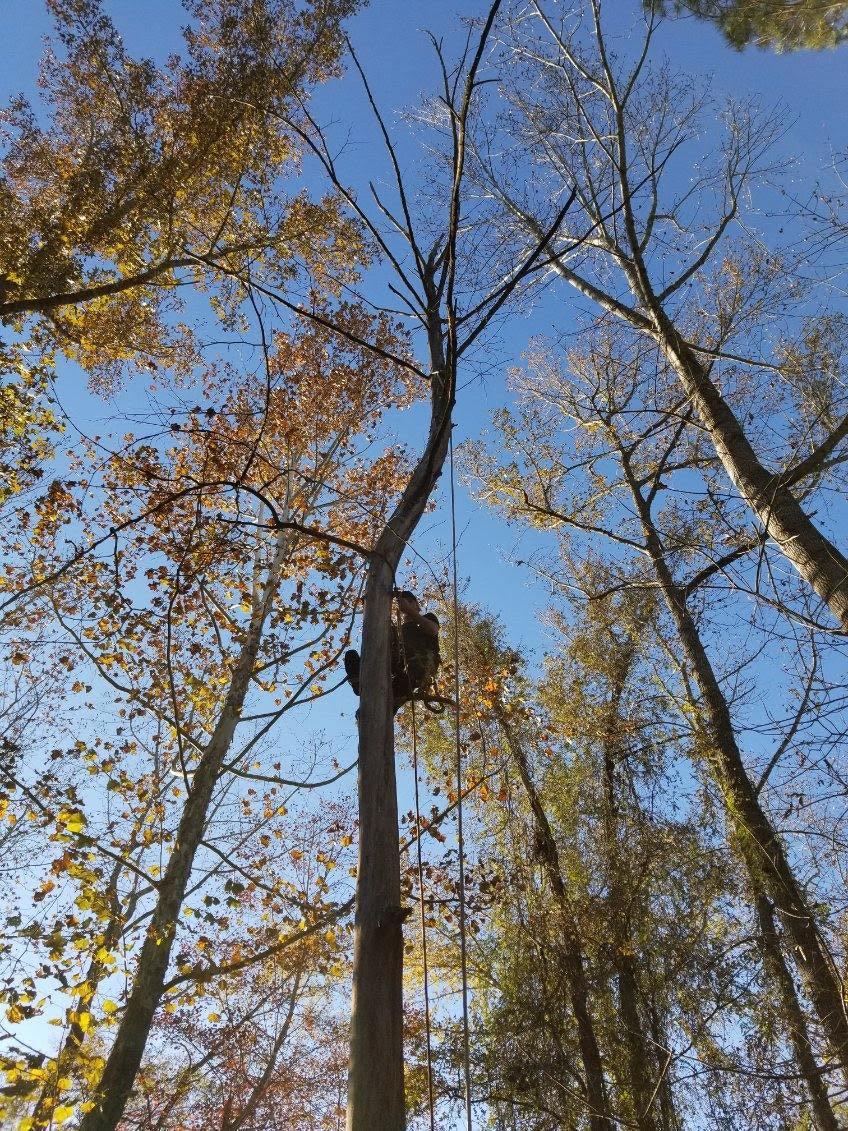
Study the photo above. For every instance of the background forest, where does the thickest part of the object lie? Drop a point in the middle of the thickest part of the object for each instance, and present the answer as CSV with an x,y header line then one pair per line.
x,y
535,308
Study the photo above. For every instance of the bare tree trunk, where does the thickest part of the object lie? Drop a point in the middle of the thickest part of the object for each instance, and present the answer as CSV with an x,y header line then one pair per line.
x,y
775,964
770,872
600,1117
817,560
125,1055
375,1082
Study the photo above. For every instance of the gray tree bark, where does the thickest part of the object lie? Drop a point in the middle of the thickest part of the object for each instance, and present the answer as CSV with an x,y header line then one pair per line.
x,y
641,1071
375,1080
770,872
124,1058
796,1022
597,1100
817,560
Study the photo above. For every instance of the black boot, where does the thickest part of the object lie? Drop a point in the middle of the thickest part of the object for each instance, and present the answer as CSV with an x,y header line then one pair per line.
x,y
351,667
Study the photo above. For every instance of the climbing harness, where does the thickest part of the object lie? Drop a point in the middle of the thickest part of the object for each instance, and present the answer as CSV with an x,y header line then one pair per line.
x,y
429,697
434,703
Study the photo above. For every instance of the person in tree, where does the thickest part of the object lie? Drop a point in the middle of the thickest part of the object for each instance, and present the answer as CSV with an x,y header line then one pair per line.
x,y
415,653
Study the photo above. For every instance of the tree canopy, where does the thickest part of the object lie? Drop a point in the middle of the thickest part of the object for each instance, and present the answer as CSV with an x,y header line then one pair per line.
x,y
559,345
782,25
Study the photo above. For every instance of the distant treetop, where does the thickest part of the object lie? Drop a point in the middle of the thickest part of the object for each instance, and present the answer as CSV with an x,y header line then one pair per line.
x,y
780,25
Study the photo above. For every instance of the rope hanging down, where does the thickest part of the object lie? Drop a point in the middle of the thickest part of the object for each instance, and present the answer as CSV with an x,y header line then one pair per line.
x,y
460,847
463,956
423,917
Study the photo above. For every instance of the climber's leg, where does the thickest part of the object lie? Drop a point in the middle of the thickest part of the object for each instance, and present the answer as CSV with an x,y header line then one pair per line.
x,y
351,667
402,690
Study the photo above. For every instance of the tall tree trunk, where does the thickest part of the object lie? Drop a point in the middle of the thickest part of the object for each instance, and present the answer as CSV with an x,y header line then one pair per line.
x,y
640,1069
600,1117
125,1055
668,1117
770,872
97,970
775,964
817,560
640,1066
375,1081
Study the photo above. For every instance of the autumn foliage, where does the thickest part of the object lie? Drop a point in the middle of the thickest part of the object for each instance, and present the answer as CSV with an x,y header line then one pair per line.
x,y
242,400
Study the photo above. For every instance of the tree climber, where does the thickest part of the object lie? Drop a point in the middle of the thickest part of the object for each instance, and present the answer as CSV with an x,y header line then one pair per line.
x,y
415,653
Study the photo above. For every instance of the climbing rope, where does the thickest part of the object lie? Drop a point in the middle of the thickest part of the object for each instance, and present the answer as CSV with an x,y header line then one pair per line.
x,y
421,906
430,704
424,963
463,949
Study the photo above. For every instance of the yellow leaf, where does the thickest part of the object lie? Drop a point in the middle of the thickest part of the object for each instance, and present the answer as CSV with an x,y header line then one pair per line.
x,y
84,1021
109,1006
73,821
213,1017
60,1114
